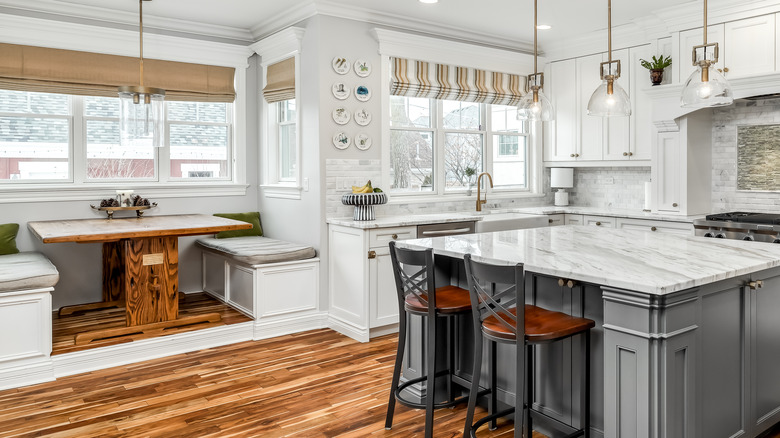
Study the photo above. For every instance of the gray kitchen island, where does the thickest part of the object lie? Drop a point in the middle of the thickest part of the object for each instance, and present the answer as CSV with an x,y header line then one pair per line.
x,y
687,342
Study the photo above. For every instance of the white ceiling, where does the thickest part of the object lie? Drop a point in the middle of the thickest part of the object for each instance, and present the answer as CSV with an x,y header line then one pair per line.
x,y
507,20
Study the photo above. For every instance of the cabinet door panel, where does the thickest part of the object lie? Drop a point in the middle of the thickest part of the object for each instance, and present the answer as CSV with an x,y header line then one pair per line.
x,y
617,141
383,301
668,171
694,37
591,128
766,353
555,219
751,46
641,117
562,143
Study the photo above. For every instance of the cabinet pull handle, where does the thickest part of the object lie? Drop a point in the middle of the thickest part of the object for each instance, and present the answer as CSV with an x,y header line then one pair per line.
x,y
446,232
630,154
576,155
371,255
572,155
561,282
758,284
394,236
674,204
653,229
571,283
625,154
549,221
598,224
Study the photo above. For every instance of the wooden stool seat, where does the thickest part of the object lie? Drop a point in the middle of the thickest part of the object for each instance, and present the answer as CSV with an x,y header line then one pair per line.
x,y
449,299
541,325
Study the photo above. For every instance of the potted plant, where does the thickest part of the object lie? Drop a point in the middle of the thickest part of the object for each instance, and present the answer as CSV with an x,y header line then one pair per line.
x,y
657,67
470,172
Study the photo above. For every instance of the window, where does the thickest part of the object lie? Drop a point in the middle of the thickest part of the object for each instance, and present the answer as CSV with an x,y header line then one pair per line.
x,y
439,146
286,135
50,137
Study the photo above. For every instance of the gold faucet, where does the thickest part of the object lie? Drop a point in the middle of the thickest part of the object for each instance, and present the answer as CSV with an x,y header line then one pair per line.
x,y
479,193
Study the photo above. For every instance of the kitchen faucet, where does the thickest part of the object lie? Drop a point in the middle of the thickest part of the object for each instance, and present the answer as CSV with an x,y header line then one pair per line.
x,y
479,193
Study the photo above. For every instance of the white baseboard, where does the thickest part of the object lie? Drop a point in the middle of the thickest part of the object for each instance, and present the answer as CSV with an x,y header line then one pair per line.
x,y
384,330
348,329
146,349
279,326
29,374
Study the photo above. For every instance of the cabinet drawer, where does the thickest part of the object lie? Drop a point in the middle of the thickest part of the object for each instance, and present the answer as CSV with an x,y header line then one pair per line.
x,y
383,236
599,221
555,219
680,228
574,219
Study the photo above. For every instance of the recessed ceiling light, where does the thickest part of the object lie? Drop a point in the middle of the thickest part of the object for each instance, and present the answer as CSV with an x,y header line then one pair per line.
x,y
429,1
544,27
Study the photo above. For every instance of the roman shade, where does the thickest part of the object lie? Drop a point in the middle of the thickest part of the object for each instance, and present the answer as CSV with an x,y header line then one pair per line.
x,y
440,81
280,82
40,69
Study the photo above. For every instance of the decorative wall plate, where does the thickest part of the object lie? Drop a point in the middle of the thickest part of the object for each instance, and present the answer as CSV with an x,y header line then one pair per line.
x,y
341,116
340,90
362,68
362,117
340,65
362,141
341,140
362,93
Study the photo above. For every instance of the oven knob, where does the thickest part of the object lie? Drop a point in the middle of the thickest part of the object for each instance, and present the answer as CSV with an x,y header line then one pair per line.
x,y
749,237
720,236
708,234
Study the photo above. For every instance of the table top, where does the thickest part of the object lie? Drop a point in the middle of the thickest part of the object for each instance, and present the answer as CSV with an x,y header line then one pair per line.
x,y
107,230
641,261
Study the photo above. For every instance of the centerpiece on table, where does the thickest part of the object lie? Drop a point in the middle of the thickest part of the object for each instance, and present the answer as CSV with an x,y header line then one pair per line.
x,y
364,198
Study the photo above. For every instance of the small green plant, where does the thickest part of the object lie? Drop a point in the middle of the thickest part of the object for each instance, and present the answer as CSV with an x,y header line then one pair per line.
x,y
470,172
658,63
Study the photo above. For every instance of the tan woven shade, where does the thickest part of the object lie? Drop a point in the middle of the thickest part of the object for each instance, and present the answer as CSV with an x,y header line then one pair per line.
x,y
280,83
440,81
28,68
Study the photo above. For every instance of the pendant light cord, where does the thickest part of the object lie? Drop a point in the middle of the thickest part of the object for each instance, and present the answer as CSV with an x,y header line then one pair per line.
x,y
535,30
705,23
609,28
141,33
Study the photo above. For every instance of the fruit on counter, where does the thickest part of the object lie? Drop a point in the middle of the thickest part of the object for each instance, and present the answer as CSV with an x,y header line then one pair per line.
x,y
377,190
364,189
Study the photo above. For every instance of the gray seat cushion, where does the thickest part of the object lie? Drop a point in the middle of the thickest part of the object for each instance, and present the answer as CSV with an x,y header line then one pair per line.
x,y
257,250
26,270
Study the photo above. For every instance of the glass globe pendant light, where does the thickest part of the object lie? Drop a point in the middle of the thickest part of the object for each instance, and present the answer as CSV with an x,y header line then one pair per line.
x,y
706,87
535,106
141,108
609,99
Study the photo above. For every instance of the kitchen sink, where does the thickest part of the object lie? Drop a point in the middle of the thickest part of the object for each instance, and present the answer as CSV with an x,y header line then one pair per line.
x,y
502,221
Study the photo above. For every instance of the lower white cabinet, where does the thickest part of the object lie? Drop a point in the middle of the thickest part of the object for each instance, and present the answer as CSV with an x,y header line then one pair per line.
x,y
599,221
556,219
363,301
574,219
681,228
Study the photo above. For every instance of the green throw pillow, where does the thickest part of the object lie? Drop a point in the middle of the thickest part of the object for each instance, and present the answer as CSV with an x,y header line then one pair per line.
x,y
251,217
8,238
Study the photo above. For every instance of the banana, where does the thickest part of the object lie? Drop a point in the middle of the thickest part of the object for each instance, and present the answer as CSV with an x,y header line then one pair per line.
x,y
364,189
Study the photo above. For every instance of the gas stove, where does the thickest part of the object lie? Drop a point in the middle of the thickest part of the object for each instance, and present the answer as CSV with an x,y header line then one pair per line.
x,y
760,227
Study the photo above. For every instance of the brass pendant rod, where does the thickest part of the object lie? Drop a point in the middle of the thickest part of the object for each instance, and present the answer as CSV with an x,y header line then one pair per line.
x,y
705,24
141,33
535,30
609,28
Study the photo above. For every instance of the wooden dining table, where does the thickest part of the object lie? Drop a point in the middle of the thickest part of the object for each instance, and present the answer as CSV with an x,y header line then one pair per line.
x,y
140,266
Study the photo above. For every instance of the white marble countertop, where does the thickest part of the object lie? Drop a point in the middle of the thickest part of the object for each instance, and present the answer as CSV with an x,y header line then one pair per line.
x,y
612,212
402,221
652,263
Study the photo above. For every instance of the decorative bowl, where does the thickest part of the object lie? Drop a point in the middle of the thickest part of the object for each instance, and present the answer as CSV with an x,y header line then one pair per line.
x,y
364,204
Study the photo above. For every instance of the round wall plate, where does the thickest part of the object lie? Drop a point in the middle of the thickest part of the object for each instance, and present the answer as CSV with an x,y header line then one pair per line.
x,y
340,65
341,140
341,116
362,68
340,91
362,117
362,93
362,141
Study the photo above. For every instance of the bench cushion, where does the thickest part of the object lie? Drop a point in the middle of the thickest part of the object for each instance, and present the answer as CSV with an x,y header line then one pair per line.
x,y
26,270
256,250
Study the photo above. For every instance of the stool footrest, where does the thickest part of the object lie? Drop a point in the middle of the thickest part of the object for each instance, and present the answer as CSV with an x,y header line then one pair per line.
x,y
421,405
484,420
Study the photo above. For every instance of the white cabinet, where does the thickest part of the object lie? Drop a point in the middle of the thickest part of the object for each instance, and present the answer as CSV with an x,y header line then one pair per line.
x,y
641,122
590,129
574,219
669,160
361,286
751,46
599,221
617,142
694,37
554,220
664,227
561,141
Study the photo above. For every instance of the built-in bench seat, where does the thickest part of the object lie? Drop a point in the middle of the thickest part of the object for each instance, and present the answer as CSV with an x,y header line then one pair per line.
x,y
26,282
273,281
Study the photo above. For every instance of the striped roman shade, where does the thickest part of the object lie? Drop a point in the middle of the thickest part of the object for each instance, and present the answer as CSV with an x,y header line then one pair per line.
x,y
439,81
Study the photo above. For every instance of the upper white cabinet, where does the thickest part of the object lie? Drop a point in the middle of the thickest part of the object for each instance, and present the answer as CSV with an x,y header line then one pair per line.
x,y
590,129
751,46
640,130
561,138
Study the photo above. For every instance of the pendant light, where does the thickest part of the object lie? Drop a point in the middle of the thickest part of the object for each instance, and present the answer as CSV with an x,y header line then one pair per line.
x,y
141,108
609,99
535,106
706,87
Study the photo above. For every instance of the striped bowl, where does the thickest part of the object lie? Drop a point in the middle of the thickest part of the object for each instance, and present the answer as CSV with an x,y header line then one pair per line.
x,y
364,204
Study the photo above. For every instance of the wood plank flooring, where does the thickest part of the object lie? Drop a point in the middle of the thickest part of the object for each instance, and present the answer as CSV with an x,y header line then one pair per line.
x,y
65,327
314,384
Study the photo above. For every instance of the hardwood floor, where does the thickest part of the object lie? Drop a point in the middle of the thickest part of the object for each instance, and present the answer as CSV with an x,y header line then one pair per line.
x,y
65,327
314,384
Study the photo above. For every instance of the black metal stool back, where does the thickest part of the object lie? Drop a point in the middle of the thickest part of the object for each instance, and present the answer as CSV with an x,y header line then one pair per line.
x,y
419,282
494,291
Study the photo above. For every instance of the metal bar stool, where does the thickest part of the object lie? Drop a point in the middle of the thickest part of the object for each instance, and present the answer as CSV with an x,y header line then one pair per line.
x,y
496,291
414,278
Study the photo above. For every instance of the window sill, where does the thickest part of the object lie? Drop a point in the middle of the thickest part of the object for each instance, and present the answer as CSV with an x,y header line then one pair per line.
x,y
91,192
281,191
458,197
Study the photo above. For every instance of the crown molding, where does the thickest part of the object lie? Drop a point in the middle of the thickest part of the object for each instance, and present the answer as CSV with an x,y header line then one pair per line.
x,y
424,48
72,36
59,11
275,23
279,46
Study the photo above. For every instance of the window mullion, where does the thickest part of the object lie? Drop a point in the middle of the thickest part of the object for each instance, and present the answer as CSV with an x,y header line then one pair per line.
x,y
162,156
78,148
439,148
488,145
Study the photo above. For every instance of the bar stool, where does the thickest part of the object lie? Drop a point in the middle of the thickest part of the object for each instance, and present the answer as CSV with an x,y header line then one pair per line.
x,y
495,293
414,278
